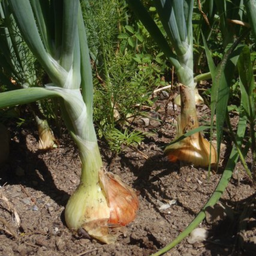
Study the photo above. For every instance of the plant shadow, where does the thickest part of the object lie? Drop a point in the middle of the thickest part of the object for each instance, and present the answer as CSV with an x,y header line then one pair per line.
x,y
27,169
235,233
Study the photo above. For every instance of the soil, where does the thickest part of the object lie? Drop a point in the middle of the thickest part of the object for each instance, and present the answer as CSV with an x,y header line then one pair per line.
x,y
35,187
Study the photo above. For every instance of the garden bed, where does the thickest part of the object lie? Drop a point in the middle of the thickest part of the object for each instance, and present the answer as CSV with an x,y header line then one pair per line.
x,y
38,184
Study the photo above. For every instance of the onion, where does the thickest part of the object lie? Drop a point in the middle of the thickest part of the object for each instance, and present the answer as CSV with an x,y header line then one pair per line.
x,y
194,149
46,137
101,205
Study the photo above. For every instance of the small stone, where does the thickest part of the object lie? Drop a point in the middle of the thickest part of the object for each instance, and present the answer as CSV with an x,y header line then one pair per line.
x,y
177,176
203,176
34,208
41,242
50,209
60,244
164,95
22,250
155,123
26,201
194,252
146,121
197,235
174,253
164,207
55,230
74,181
46,229
198,245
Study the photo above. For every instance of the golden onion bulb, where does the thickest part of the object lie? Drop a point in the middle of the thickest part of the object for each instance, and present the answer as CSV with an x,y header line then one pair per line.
x,y
195,150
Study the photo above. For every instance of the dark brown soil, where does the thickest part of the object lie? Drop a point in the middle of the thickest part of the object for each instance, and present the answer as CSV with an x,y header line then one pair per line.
x,y
37,186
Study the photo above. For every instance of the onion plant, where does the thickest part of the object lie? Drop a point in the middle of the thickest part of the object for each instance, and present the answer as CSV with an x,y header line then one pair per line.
x,y
18,71
176,17
222,80
54,32
237,56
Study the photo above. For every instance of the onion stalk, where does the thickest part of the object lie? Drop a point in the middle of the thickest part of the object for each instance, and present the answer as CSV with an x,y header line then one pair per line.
x,y
62,50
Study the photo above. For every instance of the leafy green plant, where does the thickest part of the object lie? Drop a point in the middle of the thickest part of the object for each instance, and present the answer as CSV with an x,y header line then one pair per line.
x,y
117,139
132,38
125,72
247,86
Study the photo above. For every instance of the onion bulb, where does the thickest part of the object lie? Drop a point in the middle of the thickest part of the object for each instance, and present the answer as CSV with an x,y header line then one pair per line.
x,y
102,208
195,150
46,137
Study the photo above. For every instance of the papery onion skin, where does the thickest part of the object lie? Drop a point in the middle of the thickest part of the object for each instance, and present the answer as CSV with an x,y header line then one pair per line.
x,y
46,140
46,137
199,151
122,199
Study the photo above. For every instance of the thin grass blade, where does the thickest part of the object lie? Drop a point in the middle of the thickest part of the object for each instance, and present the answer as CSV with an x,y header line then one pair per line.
x,y
188,134
221,88
250,6
247,84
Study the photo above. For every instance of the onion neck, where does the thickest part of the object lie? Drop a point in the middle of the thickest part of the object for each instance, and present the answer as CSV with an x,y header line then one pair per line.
x,y
188,116
91,161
